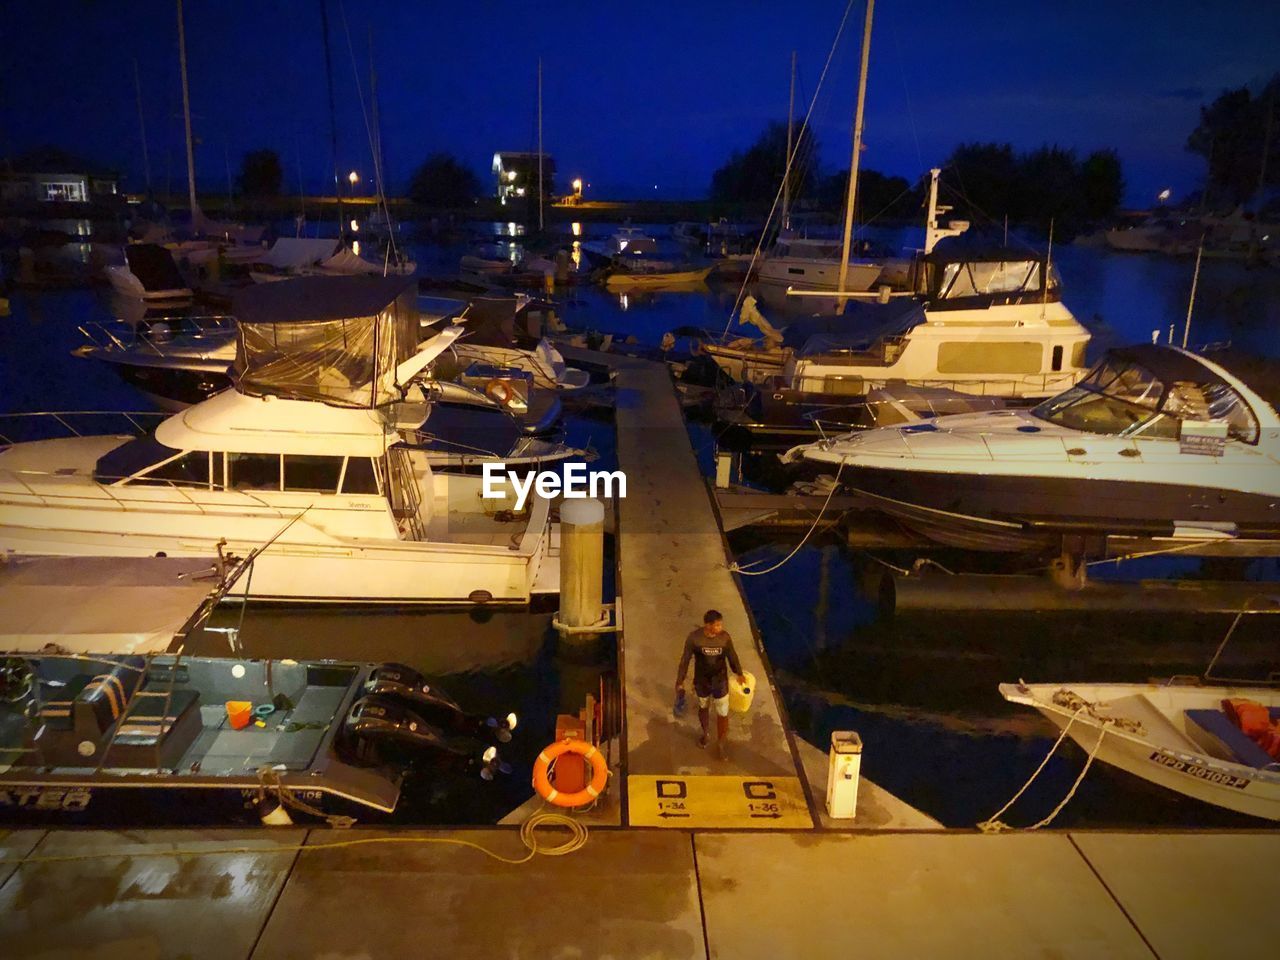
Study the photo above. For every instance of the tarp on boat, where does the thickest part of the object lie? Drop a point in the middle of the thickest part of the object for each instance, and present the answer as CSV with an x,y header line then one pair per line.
x,y
338,340
350,265
153,265
293,253
100,604
861,325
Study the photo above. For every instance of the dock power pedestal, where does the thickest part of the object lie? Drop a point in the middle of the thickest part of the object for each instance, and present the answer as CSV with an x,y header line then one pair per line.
x,y
844,769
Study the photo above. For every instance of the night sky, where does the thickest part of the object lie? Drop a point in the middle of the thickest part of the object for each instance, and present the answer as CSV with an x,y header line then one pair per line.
x,y
635,94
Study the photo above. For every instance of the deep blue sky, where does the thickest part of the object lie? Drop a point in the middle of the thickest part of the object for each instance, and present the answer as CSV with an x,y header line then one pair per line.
x,y
636,94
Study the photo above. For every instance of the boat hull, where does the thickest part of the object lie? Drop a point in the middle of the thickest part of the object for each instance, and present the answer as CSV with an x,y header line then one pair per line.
x,y
979,511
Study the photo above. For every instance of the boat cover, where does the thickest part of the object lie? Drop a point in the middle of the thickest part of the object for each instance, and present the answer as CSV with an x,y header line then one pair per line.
x,y
153,265
293,253
100,604
861,324
348,264
973,247
338,340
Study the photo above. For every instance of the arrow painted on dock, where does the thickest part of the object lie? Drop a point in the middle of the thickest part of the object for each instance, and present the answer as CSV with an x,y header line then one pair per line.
x,y
771,816
665,814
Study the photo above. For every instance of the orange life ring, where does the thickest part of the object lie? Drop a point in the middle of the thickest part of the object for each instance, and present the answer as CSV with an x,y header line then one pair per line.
x,y
542,773
499,391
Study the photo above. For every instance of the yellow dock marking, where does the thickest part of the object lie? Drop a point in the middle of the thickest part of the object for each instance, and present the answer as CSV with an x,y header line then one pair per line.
x,y
687,802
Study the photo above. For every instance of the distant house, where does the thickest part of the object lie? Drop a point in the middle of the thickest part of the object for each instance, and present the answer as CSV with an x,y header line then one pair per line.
x,y
52,176
516,175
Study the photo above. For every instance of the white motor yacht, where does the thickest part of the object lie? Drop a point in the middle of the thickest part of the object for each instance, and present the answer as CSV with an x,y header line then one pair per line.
x,y
1155,441
304,454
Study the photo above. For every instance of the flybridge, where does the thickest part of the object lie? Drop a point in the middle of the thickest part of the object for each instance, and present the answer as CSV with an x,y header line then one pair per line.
x,y
576,483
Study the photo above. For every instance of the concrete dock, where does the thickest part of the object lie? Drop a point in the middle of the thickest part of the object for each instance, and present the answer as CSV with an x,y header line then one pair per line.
x,y
636,893
673,566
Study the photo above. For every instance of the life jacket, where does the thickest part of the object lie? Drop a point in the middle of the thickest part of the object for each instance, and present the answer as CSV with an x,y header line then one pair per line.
x,y
1254,721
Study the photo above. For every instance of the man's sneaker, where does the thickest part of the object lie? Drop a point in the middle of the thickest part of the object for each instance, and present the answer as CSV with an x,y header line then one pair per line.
x,y
702,740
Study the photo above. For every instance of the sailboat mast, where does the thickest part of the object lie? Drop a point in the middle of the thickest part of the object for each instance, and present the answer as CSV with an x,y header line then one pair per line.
x,y
333,118
186,119
786,168
142,125
540,189
857,151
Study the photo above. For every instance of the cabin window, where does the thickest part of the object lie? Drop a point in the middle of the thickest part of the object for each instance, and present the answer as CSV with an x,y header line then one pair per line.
x,y
961,357
312,473
190,469
1057,358
253,471
359,477
1077,354
799,270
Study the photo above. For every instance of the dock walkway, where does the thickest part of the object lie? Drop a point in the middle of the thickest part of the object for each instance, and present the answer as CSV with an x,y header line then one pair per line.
x,y
673,566
656,894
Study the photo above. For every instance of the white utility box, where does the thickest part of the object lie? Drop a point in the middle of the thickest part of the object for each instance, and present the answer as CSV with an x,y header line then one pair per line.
x,y
844,768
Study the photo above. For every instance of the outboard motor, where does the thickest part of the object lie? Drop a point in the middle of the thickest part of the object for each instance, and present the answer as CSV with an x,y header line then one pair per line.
x,y
387,729
395,680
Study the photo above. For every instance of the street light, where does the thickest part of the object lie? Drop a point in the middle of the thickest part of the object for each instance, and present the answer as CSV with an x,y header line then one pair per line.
x,y
1164,194
353,178
577,186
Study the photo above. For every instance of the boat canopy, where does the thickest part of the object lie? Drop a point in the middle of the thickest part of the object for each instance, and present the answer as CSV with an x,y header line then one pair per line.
x,y
861,325
1150,391
971,268
292,253
153,265
337,340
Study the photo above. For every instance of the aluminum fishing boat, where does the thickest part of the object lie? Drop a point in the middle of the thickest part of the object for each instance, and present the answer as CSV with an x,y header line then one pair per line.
x,y
1181,737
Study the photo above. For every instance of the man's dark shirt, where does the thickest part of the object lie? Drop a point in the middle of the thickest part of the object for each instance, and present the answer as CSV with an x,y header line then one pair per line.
x,y
711,656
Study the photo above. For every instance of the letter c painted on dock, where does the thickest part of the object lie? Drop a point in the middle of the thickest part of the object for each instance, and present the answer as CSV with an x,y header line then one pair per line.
x,y
671,789
759,790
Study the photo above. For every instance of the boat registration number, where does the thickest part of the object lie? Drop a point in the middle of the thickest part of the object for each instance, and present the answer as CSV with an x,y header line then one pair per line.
x,y
1195,770
71,799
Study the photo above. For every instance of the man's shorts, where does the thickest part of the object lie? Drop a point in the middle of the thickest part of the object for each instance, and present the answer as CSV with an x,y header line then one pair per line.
x,y
716,689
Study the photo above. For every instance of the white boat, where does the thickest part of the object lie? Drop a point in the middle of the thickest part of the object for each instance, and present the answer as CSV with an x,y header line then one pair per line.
x,y
305,454
149,273
814,264
1153,442
990,321
1176,736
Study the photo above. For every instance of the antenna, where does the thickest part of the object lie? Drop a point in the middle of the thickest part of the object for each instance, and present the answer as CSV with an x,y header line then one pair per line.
x,y
1048,266
541,191
142,124
857,151
1191,301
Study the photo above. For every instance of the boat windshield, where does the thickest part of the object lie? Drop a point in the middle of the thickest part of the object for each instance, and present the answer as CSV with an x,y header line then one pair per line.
x,y
1122,398
975,278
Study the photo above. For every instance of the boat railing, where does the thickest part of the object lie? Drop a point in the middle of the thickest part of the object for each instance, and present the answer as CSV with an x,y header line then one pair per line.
x,y
159,335
60,424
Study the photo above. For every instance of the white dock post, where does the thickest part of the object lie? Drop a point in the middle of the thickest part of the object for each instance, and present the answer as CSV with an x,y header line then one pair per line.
x,y
581,564
844,768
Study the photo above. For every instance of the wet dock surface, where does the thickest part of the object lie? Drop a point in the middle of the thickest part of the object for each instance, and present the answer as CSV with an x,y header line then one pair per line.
x,y
635,893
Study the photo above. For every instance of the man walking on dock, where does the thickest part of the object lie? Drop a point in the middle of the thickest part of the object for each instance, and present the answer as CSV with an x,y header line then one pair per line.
x,y
711,649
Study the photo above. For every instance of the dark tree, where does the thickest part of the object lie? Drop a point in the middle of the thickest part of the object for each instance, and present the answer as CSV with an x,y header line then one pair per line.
x,y
1232,136
983,174
879,195
442,181
1101,185
261,174
1047,187
755,174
